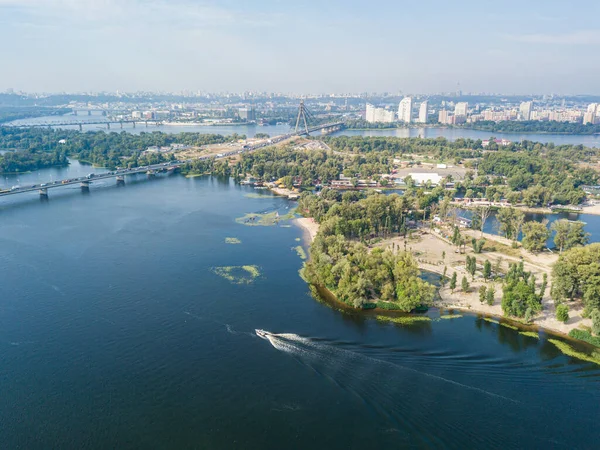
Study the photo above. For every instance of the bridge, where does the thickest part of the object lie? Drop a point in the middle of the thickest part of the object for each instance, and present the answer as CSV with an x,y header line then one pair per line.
x,y
170,166
81,123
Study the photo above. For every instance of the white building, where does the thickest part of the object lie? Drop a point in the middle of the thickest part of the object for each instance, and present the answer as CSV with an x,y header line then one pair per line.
x,y
405,110
379,115
424,112
591,116
525,110
421,179
461,109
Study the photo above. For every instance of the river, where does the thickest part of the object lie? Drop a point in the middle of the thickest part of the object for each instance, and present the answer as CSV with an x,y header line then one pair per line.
x,y
117,331
250,130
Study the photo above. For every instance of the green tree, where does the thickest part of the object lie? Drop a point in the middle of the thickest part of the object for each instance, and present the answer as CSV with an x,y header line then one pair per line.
x,y
471,266
569,234
464,284
544,285
482,294
444,278
535,235
490,294
576,275
596,322
453,282
510,220
562,313
487,270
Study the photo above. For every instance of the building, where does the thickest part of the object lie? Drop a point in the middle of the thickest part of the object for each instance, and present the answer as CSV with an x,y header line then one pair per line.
x,y
421,179
591,116
525,110
499,142
405,110
424,112
136,115
461,109
247,114
379,115
444,117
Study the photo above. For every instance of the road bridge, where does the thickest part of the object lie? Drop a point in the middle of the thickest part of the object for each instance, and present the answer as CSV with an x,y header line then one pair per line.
x,y
171,166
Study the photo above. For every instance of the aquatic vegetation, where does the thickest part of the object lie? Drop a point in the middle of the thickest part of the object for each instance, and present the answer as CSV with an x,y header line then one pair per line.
x,y
487,319
238,274
502,324
300,251
586,336
451,316
264,219
570,351
253,219
404,320
257,195
232,240
532,334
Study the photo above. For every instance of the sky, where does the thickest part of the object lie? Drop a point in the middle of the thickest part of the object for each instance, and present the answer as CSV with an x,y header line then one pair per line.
x,y
301,46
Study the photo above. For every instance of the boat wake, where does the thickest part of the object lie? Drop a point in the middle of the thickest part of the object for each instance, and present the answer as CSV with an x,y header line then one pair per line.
x,y
313,351
405,398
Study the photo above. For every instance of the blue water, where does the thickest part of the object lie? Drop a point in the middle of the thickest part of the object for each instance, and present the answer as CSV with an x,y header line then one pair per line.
x,y
115,332
250,130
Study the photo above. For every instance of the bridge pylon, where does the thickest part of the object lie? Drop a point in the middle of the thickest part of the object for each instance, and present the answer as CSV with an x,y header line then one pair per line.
x,y
43,192
304,115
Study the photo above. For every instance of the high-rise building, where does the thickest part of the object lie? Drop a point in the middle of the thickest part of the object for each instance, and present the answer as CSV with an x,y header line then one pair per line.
x,y
247,114
405,110
379,115
444,117
461,109
525,110
424,112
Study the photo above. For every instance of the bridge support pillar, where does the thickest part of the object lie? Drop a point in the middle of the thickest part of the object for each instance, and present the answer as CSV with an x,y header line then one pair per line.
x,y
85,185
108,126
43,192
120,180
80,127
134,124
89,113
121,125
146,124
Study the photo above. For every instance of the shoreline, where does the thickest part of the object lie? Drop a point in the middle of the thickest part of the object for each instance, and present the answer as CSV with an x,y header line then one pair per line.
x,y
469,302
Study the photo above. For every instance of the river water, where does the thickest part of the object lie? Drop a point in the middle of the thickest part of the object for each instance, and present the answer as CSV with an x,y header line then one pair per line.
x,y
116,331
250,130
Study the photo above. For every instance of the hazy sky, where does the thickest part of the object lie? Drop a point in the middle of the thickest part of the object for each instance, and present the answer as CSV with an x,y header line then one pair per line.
x,y
425,46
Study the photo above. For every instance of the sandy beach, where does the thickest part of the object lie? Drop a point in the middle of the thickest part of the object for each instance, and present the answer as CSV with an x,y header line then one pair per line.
x,y
309,226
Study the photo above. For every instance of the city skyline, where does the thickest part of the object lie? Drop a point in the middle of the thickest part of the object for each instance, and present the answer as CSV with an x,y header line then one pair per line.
x,y
159,45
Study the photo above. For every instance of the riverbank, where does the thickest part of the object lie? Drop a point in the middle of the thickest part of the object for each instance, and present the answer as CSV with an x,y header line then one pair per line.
x,y
310,227
433,253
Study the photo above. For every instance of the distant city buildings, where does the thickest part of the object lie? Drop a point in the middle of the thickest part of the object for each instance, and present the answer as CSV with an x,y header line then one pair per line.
x,y
525,110
379,115
444,117
424,112
247,114
405,110
461,109
591,115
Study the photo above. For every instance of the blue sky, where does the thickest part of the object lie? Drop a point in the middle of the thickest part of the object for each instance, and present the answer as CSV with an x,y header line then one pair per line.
x,y
526,46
